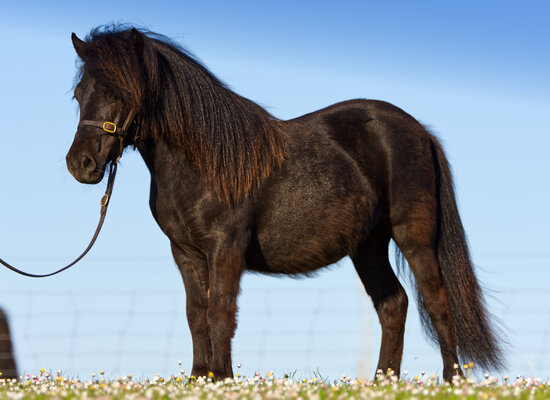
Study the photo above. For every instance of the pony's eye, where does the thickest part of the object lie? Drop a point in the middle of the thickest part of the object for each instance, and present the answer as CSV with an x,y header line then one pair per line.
x,y
115,99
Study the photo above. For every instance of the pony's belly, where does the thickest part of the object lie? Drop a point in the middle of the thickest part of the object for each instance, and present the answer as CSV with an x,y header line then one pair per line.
x,y
303,243
296,254
313,211
291,264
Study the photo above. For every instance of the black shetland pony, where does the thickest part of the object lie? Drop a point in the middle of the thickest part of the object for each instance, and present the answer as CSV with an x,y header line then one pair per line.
x,y
236,189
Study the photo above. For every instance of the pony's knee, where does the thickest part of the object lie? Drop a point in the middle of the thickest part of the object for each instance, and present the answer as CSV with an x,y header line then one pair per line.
x,y
393,309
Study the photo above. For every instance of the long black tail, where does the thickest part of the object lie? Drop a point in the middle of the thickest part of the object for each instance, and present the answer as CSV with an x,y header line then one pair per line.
x,y
476,337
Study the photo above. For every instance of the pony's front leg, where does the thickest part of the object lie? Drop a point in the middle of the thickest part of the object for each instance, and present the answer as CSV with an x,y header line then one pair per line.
x,y
225,270
194,271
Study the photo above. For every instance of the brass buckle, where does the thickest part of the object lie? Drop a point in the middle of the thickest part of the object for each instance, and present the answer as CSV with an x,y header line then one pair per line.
x,y
109,127
104,200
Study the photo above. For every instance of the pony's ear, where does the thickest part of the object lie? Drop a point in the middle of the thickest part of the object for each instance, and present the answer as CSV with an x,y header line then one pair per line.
x,y
136,42
78,45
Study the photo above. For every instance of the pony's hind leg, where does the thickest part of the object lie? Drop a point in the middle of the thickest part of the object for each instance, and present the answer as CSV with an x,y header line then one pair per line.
x,y
415,238
387,294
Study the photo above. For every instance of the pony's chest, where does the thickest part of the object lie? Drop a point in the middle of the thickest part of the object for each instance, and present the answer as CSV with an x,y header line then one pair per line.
x,y
193,219
171,223
169,212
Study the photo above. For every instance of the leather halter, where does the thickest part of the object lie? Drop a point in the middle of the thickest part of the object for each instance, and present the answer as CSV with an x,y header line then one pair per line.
x,y
111,129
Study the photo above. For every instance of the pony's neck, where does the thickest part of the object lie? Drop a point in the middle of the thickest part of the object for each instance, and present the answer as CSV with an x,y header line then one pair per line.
x,y
158,155
170,168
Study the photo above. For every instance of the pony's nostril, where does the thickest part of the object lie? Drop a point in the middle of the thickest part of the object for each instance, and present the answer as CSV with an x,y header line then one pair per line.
x,y
87,163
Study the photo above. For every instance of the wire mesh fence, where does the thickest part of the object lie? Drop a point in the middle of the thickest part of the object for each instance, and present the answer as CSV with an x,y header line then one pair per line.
x,y
126,323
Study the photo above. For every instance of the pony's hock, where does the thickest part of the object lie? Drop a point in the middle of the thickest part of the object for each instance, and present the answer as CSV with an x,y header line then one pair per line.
x,y
236,189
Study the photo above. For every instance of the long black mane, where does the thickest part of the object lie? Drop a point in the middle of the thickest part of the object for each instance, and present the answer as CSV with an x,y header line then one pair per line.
x,y
233,142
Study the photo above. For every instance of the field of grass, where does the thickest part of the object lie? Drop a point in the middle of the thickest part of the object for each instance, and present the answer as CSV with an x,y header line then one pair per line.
x,y
47,385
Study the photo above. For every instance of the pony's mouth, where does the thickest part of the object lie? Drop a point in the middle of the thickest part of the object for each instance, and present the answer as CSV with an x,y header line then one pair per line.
x,y
88,177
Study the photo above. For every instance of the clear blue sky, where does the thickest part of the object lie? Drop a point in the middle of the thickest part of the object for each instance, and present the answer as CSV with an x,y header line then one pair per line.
x,y
476,73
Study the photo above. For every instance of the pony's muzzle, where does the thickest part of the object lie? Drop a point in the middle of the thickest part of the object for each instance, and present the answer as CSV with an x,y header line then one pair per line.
x,y
84,168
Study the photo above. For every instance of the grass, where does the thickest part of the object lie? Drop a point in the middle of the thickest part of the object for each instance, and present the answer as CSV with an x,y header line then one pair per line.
x,y
46,385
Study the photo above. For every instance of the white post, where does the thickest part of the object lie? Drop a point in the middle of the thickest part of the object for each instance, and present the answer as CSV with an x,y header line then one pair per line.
x,y
365,336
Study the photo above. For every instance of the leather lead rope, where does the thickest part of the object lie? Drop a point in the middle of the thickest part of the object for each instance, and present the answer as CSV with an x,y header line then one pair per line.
x,y
103,212
111,129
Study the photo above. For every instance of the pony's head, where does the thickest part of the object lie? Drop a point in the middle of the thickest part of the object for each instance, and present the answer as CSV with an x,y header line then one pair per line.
x,y
106,111
233,143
